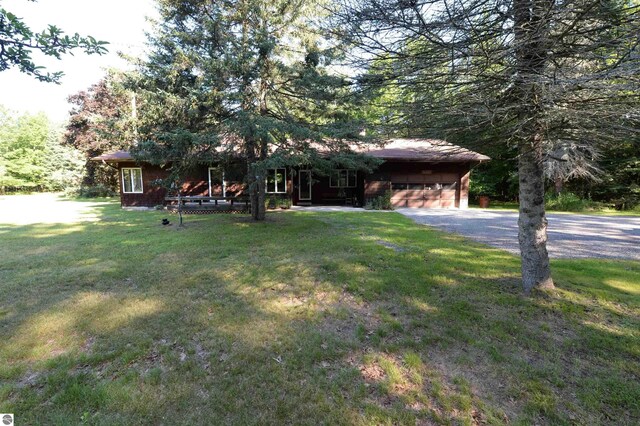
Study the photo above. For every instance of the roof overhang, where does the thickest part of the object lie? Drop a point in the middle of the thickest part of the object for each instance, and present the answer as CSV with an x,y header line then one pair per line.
x,y
114,157
414,150
423,150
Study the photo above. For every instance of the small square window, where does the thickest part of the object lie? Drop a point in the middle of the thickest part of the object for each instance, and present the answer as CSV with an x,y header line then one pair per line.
x,y
132,180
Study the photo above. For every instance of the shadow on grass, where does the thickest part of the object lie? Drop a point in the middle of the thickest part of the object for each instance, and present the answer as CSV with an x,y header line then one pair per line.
x,y
305,318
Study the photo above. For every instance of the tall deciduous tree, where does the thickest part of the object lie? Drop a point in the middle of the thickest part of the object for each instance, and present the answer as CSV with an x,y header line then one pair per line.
x,y
541,74
101,120
18,42
32,157
245,78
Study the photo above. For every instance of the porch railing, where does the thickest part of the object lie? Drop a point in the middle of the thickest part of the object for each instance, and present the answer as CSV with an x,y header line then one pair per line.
x,y
210,203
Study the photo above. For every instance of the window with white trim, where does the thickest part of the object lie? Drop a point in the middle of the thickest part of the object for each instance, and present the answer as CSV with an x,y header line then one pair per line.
x,y
276,181
343,178
132,180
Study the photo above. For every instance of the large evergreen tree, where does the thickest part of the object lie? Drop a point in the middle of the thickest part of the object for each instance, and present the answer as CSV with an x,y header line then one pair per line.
x,y
540,76
242,78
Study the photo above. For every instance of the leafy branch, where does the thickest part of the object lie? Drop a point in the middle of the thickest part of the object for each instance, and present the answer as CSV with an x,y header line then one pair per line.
x,y
18,42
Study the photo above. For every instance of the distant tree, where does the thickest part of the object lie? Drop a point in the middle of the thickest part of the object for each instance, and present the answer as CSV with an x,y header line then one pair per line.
x,y
619,181
540,74
102,119
64,165
244,79
32,157
18,42
22,152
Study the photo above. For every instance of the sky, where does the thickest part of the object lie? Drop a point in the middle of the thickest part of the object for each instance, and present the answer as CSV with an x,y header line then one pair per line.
x,y
120,22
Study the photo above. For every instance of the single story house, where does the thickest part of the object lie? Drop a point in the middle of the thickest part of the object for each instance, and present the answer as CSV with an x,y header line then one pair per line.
x,y
418,172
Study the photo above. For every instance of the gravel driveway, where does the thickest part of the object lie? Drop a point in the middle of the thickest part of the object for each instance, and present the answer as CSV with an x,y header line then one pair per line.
x,y
570,235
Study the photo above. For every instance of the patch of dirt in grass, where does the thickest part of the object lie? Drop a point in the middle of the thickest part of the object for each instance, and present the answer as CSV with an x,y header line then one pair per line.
x,y
169,258
202,355
392,246
484,382
420,389
30,379
372,373
153,359
343,314
87,346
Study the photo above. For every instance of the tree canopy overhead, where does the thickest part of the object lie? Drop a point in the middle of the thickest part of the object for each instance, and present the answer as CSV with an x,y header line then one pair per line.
x,y
18,42
248,78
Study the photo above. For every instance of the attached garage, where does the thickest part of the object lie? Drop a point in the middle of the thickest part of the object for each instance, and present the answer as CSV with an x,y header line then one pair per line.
x,y
428,194
423,173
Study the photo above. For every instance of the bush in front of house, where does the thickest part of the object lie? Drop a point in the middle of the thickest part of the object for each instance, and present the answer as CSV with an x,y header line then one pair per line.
x,y
272,202
381,202
285,203
94,191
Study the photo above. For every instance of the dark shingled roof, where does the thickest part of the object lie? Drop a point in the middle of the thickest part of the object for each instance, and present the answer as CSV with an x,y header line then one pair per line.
x,y
114,157
431,150
422,150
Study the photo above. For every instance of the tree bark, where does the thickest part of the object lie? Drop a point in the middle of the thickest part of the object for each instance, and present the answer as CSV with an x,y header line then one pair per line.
x,y
531,29
256,181
255,175
259,212
532,222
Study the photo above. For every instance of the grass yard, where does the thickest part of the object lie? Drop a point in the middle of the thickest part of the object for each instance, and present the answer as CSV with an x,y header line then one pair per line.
x,y
309,318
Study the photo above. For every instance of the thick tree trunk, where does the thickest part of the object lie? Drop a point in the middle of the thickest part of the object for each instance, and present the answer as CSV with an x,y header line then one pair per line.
x,y
531,30
258,208
532,222
256,181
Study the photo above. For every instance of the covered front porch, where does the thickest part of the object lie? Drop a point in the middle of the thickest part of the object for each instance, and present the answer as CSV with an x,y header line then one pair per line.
x,y
342,187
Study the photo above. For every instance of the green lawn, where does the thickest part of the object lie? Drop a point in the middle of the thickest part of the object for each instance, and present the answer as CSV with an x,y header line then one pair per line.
x,y
309,318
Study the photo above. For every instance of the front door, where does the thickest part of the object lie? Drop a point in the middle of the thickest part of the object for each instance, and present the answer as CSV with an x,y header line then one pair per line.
x,y
304,185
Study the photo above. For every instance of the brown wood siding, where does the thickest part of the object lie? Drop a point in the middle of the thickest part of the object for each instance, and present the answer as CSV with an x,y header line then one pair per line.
x,y
374,188
463,195
322,193
153,194
412,174
196,183
410,184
